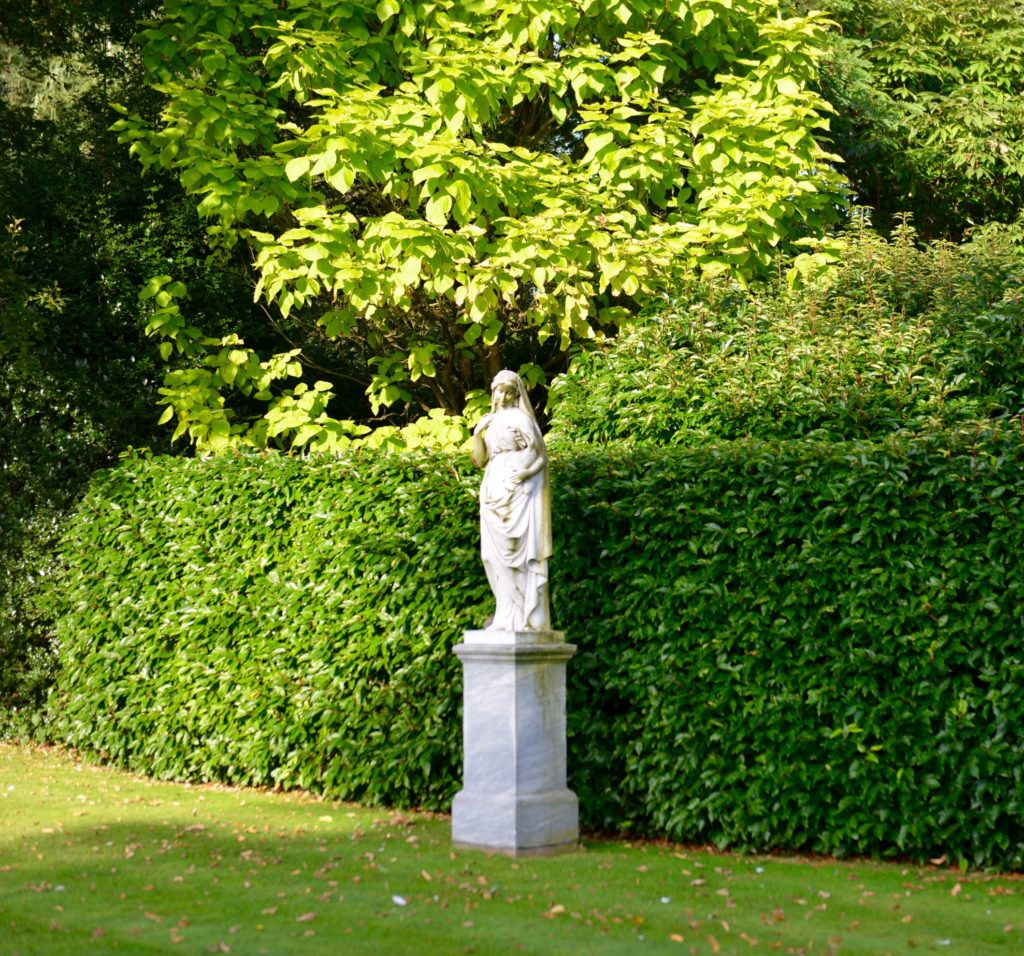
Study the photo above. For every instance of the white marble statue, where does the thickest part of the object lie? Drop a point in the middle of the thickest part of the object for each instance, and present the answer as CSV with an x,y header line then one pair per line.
x,y
515,508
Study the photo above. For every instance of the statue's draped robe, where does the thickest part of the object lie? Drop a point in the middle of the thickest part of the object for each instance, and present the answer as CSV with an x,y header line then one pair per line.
x,y
515,523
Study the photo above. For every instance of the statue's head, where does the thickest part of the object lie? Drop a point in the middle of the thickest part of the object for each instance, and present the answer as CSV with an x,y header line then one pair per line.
x,y
506,390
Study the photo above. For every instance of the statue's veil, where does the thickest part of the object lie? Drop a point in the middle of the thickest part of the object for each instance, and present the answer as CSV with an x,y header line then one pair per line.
x,y
524,402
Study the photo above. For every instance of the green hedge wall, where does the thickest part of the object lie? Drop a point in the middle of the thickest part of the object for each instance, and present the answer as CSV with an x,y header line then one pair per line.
x,y
808,646
273,621
798,645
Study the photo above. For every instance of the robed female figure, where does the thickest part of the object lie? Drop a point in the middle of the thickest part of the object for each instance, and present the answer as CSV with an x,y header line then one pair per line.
x,y
515,508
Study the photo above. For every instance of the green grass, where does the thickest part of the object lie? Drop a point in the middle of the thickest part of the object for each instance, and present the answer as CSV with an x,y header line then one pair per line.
x,y
93,860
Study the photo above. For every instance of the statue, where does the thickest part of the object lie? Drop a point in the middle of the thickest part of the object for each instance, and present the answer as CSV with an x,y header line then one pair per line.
x,y
515,508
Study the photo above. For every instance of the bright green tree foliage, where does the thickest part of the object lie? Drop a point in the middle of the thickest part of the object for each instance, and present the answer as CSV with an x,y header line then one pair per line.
x,y
466,185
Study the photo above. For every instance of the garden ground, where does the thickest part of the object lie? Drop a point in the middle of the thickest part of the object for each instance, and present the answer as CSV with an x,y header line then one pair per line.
x,y
94,860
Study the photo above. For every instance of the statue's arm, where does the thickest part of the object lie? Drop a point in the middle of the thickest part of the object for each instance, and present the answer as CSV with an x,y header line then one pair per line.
x,y
539,460
479,452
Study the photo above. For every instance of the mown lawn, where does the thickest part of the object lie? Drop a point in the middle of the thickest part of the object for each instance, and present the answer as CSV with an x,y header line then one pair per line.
x,y
93,860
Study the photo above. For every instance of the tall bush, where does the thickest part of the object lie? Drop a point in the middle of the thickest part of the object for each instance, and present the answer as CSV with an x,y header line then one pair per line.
x,y
797,644
897,338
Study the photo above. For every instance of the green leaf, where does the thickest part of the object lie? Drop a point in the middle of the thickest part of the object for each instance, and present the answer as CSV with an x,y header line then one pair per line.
x,y
596,143
296,168
386,9
154,285
787,86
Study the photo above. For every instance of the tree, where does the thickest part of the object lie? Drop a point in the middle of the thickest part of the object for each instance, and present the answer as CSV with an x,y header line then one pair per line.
x,y
455,187
929,115
79,234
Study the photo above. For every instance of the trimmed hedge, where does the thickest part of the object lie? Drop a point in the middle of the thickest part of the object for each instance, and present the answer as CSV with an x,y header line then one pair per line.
x,y
273,621
802,645
812,646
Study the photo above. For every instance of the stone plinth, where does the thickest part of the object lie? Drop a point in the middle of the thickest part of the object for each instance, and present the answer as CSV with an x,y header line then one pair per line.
x,y
514,797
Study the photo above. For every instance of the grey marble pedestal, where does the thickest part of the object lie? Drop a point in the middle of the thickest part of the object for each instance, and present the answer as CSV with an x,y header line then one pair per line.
x,y
514,797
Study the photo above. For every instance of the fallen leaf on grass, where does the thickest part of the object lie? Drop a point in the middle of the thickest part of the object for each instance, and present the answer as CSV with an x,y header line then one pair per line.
x,y
676,938
957,889
713,943
556,910
305,918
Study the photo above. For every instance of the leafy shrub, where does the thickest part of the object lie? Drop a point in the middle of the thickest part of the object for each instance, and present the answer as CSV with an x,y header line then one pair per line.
x,y
799,644
781,644
899,338
272,621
